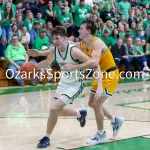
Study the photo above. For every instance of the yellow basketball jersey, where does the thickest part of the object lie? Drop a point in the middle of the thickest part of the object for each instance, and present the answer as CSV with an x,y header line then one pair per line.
x,y
106,59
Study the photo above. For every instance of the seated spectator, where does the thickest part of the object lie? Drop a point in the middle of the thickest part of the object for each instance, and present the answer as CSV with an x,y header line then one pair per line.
x,y
25,37
41,41
16,56
67,8
132,18
49,28
120,55
39,19
15,31
121,31
147,21
110,26
34,33
138,49
138,15
148,52
127,35
139,34
131,54
19,22
115,36
133,28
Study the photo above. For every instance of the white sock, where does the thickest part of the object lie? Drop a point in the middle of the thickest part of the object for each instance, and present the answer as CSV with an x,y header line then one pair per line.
x,y
47,135
112,119
100,132
78,115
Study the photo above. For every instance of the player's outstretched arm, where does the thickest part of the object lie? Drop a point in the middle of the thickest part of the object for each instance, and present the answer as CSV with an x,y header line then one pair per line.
x,y
36,53
46,63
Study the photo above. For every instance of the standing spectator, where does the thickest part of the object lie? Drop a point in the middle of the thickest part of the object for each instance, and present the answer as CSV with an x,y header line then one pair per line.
x,y
7,17
42,5
124,8
120,55
80,14
66,20
107,14
16,56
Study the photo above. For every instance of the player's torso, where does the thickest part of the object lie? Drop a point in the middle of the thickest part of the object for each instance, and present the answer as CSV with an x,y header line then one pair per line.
x,y
106,59
68,78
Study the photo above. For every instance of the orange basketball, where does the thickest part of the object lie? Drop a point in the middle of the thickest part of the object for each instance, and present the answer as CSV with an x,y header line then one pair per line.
x,y
28,70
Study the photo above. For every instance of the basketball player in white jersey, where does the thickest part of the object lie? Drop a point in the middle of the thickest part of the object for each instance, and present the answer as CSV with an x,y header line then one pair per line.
x,y
68,88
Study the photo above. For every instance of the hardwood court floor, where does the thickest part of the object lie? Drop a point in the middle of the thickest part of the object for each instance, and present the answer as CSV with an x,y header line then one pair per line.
x,y
24,112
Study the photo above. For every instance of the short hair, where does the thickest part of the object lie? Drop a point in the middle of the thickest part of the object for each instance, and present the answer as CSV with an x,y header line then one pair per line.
x,y
90,25
59,30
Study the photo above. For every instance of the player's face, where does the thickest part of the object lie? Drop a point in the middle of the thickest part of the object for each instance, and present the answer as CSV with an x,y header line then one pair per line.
x,y
58,41
83,31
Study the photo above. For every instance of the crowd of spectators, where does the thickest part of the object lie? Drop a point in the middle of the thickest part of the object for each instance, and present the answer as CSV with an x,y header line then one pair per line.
x,y
124,25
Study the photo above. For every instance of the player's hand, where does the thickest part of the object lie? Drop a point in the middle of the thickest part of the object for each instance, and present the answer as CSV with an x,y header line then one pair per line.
x,y
98,93
68,67
33,53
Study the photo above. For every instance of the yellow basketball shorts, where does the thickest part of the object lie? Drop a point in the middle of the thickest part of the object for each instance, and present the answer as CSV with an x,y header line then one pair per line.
x,y
109,83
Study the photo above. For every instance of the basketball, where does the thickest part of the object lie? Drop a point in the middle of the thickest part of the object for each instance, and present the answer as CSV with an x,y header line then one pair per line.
x,y
28,70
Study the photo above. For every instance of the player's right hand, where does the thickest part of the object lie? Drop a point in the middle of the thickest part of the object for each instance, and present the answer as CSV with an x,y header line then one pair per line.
x,y
33,53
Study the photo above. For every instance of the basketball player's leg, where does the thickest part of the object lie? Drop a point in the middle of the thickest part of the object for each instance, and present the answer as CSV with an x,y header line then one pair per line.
x,y
105,111
52,120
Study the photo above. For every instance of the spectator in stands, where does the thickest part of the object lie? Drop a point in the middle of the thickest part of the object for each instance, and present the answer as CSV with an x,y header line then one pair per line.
x,y
133,28
127,35
49,28
139,34
132,18
19,21
148,52
13,6
80,14
146,22
25,37
58,7
107,14
66,20
121,31
138,49
120,55
41,41
7,18
16,56
131,54
138,16
34,33
15,31
42,5
124,8
29,20
115,36
66,5
39,19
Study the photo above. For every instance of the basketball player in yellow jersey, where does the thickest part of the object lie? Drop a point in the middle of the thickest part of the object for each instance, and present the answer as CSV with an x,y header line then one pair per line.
x,y
105,86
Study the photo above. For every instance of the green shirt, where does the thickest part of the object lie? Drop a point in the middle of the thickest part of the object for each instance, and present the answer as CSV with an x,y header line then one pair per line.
x,y
105,3
107,40
8,21
38,43
124,8
13,7
121,34
80,14
41,21
145,24
65,18
16,54
140,49
28,24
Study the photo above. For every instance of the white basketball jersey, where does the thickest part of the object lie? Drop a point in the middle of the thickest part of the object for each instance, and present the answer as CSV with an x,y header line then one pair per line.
x,y
68,78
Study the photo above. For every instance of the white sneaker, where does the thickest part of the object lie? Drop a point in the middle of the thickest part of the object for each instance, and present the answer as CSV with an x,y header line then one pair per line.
x,y
97,139
117,125
146,69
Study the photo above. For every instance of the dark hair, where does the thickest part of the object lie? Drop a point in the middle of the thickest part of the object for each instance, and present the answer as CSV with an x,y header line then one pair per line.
x,y
11,11
113,35
59,30
90,25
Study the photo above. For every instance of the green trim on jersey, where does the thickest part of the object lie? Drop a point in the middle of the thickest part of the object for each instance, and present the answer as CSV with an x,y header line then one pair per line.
x,y
71,55
65,54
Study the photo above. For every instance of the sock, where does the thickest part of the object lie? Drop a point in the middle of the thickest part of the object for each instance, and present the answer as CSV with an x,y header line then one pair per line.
x,y
47,135
100,132
112,119
78,115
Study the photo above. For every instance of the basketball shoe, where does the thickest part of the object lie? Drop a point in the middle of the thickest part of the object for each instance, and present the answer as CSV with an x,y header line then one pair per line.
x,y
44,142
82,119
98,138
117,125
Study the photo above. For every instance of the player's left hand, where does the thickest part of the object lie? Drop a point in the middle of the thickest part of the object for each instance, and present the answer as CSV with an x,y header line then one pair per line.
x,y
68,67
